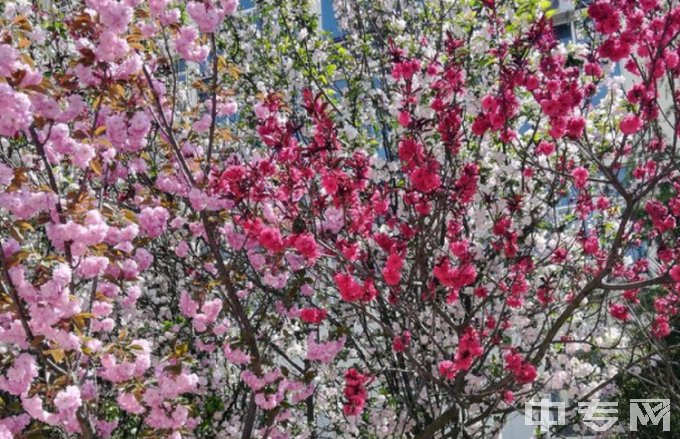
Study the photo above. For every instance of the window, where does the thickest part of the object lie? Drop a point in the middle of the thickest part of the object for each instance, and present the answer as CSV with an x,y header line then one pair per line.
x,y
564,33
329,21
205,67
602,90
181,69
339,87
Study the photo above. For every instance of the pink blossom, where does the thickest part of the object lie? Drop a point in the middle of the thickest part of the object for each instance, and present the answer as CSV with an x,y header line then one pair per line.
x,y
83,155
425,179
313,316
350,290
9,247
447,369
105,428
187,305
324,352
268,401
469,348
117,130
34,407
68,401
593,69
14,333
406,69
129,403
456,277
228,108
105,145
9,57
205,15
270,239
580,176
144,258
209,313
187,46
133,293
20,375
174,385
404,119
333,220
182,249
101,309
253,381
277,280
157,7
619,311
153,220
115,16
661,327
630,124
203,124
31,77
305,244
198,199
545,148
111,47
117,372
15,424
575,127
92,266
401,342
235,356
6,175
675,273
229,6
16,115
355,392
591,245
392,270
523,371
139,126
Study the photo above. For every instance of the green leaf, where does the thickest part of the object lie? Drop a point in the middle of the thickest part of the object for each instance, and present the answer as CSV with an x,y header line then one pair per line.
x,y
545,5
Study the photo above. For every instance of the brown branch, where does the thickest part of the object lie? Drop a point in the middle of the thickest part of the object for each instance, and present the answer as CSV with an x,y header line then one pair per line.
x,y
232,298
83,418
213,109
639,284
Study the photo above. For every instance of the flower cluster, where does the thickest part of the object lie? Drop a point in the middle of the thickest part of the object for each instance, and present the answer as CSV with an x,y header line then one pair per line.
x,y
355,392
199,228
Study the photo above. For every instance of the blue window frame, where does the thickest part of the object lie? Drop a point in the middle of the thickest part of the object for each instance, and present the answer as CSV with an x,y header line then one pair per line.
x,y
339,87
205,67
602,90
181,69
564,33
568,199
382,152
248,8
638,252
329,21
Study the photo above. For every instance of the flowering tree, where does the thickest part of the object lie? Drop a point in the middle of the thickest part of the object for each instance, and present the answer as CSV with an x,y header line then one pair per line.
x,y
204,235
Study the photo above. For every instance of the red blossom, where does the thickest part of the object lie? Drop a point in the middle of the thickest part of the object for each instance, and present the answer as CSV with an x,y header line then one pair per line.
x,y
313,316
